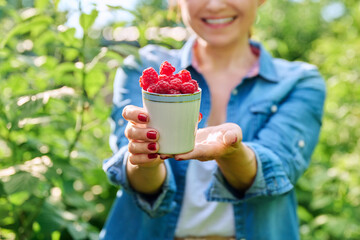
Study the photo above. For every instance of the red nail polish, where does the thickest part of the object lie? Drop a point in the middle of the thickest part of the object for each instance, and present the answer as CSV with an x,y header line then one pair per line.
x,y
152,146
151,135
142,117
163,158
179,159
152,155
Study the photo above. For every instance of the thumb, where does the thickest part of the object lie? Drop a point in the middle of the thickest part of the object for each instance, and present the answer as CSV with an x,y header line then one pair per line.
x,y
230,138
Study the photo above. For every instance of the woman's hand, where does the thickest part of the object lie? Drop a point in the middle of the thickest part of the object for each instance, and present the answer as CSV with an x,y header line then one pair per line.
x,y
223,143
214,142
143,145
145,169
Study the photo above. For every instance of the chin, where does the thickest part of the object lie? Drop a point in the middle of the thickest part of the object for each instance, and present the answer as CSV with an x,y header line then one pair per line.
x,y
220,41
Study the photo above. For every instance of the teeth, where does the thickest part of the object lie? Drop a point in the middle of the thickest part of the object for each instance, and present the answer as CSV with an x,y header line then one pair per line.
x,y
219,21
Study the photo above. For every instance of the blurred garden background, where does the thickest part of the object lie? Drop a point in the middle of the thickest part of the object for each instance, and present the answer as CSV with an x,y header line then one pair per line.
x,y
57,64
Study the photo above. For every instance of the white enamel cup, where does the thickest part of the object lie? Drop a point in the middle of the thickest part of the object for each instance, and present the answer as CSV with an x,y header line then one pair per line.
x,y
175,117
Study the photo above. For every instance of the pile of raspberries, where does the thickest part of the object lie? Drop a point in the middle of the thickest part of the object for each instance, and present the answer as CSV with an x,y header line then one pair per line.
x,y
168,82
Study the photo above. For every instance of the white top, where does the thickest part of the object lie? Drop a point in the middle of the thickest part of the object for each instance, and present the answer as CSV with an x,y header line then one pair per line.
x,y
198,217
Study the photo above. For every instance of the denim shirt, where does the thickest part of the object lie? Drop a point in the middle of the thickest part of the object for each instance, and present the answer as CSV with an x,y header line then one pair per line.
x,y
279,110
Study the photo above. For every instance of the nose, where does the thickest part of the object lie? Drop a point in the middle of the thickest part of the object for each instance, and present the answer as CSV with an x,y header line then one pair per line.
x,y
215,5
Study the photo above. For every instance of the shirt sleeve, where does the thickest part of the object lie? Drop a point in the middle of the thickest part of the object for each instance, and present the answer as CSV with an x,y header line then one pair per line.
x,y
283,147
125,85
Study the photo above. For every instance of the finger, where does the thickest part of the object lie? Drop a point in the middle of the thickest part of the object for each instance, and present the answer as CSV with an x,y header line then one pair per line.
x,y
200,117
135,133
199,152
144,159
135,114
230,138
166,156
143,147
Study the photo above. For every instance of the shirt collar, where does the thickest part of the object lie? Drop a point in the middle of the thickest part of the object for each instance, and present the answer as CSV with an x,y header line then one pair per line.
x,y
267,69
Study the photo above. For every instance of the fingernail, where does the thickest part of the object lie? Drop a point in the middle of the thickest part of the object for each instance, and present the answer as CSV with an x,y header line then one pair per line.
x,y
152,146
142,117
151,135
152,155
179,159
163,158
235,140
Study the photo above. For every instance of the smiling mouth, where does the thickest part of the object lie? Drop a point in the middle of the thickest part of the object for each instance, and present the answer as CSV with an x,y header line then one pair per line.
x,y
218,20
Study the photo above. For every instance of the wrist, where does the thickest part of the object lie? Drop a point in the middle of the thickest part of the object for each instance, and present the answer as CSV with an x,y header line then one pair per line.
x,y
238,151
239,167
145,167
146,179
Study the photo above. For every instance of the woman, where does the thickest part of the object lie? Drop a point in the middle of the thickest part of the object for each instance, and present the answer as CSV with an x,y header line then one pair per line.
x,y
266,116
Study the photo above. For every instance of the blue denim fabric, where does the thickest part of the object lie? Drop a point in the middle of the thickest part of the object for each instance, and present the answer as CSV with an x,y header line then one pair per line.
x,y
279,111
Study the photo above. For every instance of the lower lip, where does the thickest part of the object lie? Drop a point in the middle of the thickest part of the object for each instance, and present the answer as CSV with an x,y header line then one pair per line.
x,y
216,26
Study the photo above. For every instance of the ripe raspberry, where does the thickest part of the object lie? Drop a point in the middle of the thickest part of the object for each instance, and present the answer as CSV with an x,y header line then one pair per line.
x,y
163,87
173,91
164,78
166,68
175,76
187,88
152,88
176,84
194,82
148,77
185,75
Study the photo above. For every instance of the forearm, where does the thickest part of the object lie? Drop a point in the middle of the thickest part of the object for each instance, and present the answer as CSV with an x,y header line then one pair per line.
x,y
239,167
147,180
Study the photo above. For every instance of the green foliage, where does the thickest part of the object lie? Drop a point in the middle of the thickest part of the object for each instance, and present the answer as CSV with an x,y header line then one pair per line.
x,y
329,192
55,100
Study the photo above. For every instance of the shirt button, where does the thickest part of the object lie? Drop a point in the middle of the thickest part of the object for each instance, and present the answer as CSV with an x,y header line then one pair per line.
x,y
301,143
234,91
121,122
274,108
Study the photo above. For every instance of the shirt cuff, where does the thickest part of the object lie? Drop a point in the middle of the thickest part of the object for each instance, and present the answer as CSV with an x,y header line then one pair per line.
x,y
115,168
270,179
164,202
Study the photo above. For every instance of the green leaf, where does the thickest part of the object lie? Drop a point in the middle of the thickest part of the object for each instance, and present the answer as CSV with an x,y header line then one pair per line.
x,y
29,108
25,27
95,79
133,12
125,50
19,198
50,218
21,181
93,235
41,4
68,38
87,20
77,230
304,214
56,3
70,54
2,190
76,200
5,208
